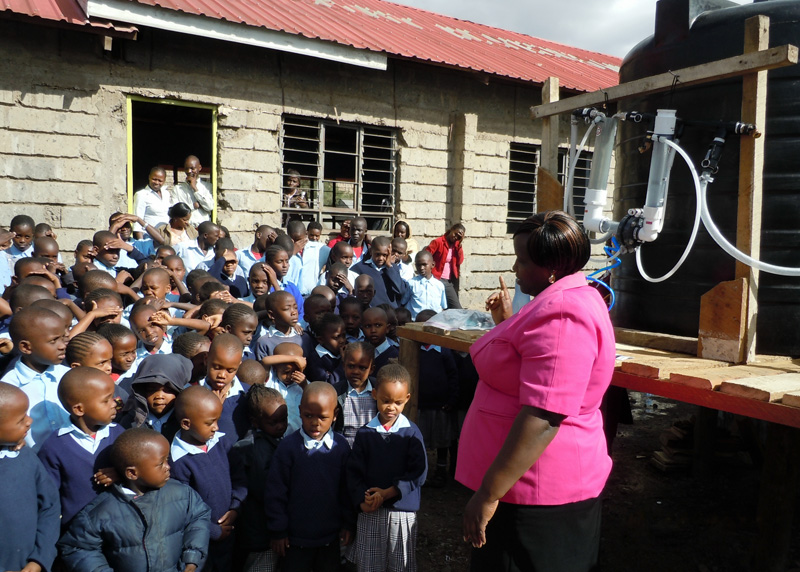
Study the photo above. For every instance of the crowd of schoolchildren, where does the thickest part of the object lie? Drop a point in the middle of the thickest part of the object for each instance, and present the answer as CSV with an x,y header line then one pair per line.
x,y
199,406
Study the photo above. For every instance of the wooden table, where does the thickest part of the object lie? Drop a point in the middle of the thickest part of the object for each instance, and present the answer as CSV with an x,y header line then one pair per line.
x,y
755,391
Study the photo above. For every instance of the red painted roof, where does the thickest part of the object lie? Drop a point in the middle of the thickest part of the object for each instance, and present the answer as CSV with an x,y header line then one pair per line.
x,y
61,12
404,31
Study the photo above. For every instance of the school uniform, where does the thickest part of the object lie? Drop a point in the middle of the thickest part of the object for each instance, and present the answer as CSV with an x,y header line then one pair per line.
x,y
71,458
322,365
15,253
358,338
266,344
247,259
29,511
254,454
234,421
388,349
386,538
306,500
221,486
406,271
192,255
144,246
237,284
424,294
357,408
6,270
438,387
44,407
292,394
304,267
290,287
389,286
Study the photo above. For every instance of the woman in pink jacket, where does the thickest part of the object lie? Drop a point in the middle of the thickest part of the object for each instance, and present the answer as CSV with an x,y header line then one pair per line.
x,y
532,446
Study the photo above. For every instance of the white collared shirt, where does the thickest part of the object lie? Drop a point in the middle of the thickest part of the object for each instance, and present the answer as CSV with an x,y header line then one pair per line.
x,y
192,255
152,207
387,343
353,392
9,454
292,394
181,448
87,442
322,352
183,193
235,389
401,423
309,443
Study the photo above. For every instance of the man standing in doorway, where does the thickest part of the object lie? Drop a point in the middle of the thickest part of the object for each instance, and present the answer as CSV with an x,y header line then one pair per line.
x,y
194,192
447,259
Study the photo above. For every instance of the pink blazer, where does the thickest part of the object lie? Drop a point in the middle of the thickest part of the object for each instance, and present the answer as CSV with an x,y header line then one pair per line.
x,y
556,354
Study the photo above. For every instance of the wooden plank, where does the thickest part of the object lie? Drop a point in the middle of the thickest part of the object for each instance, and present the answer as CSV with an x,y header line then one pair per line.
x,y
666,342
723,315
764,410
766,388
459,340
409,358
791,398
549,191
772,58
710,379
751,167
662,366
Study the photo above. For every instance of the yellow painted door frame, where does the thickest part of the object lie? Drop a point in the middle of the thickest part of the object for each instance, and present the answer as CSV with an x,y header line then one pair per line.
x,y
179,103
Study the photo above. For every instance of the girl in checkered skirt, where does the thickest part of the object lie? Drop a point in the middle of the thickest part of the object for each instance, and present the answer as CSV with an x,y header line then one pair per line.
x,y
385,473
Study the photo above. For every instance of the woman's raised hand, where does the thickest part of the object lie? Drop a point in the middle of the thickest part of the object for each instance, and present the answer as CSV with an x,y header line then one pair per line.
x,y
499,303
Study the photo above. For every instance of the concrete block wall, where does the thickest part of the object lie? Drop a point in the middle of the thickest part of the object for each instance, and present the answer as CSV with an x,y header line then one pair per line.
x,y
63,134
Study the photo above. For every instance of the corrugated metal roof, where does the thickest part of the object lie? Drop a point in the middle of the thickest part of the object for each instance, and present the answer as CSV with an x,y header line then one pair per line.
x,y
61,11
404,31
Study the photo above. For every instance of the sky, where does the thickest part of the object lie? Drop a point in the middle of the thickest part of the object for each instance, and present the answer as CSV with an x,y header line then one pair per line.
x,y
607,26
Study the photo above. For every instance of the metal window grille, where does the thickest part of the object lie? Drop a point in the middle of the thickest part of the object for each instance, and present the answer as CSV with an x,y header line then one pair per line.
x,y
346,170
523,165
581,182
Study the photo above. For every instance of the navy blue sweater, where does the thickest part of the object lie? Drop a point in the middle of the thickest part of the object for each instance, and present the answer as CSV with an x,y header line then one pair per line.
x,y
389,286
391,353
387,459
234,421
438,379
254,454
210,474
324,368
72,467
164,529
306,498
29,513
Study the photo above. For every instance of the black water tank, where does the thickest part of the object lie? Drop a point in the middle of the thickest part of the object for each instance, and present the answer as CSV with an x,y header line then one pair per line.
x,y
674,306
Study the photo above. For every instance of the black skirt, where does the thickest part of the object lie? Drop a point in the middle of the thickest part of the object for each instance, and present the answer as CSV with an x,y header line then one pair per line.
x,y
559,538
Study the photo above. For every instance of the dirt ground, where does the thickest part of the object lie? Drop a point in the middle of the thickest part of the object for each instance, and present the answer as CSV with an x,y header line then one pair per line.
x,y
652,521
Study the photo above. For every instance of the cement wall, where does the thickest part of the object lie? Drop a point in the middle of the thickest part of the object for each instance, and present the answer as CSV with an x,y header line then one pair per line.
x,y
64,148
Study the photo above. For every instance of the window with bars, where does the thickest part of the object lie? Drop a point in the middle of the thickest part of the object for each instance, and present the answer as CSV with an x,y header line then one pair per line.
x,y
346,170
523,165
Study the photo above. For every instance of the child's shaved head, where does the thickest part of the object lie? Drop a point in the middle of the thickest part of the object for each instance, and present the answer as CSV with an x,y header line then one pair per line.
x,y
288,349
319,390
79,383
30,321
226,344
133,445
194,398
9,395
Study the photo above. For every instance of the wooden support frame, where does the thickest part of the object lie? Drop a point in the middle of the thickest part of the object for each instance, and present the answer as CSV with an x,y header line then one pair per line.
x,y
781,56
549,192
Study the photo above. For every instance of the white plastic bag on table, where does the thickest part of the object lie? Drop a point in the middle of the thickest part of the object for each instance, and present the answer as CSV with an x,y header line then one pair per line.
x,y
462,320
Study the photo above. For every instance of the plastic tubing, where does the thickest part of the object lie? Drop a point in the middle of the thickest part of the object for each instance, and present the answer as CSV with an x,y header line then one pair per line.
x,y
607,287
695,228
728,247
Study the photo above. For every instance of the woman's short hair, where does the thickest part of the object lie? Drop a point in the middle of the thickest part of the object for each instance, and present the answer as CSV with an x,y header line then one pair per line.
x,y
179,210
556,242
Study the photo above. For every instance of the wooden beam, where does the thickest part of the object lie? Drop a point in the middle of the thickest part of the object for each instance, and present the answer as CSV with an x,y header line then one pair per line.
x,y
771,58
751,167
409,359
549,192
665,342
723,311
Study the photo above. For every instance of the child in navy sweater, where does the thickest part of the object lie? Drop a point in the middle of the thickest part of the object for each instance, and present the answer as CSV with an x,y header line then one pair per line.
x,y
224,359
325,360
269,417
375,325
385,473
29,507
306,501
145,522
199,458
76,456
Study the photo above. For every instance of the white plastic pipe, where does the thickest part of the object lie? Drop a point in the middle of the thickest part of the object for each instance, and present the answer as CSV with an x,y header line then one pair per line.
x,y
695,228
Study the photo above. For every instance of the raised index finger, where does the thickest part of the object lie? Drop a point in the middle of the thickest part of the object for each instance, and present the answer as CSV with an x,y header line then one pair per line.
x,y
504,288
